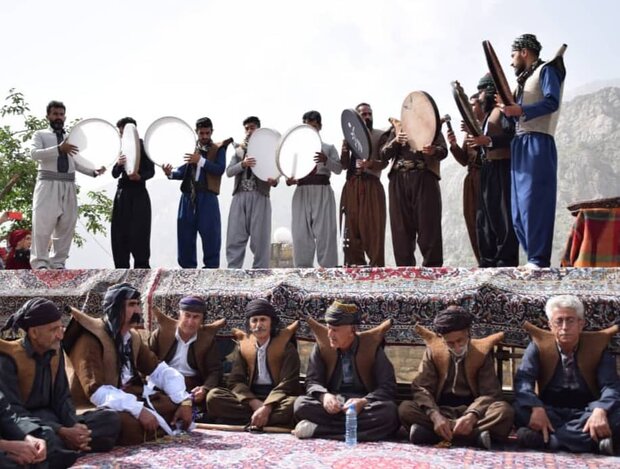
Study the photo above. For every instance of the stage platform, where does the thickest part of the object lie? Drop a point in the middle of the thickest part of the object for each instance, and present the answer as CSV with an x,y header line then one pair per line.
x,y
500,299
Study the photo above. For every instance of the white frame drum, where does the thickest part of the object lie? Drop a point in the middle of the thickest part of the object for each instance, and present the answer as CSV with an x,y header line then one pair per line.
x,y
296,151
98,142
130,147
262,147
167,140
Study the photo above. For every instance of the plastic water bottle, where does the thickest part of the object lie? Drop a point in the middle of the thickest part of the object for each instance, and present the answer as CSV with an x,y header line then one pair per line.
x,y
350,433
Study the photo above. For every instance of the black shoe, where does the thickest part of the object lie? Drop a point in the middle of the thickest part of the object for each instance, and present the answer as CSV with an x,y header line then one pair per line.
x,y
527,438
483,440
606,446
418,435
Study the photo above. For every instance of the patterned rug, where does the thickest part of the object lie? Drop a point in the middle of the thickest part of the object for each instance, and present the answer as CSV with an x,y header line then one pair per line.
x,y
500,299
213,449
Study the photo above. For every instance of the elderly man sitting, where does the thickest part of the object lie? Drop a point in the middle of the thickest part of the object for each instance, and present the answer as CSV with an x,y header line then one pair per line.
x,y
347,368
577,404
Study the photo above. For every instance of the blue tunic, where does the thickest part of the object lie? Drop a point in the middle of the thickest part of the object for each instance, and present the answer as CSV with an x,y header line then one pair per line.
x,y
568,422
534,176
202,217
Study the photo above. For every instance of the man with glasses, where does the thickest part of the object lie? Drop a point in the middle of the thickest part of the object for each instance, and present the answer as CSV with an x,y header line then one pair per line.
x,y
576,405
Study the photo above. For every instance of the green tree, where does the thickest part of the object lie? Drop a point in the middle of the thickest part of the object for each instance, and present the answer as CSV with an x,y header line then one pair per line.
x,y
18,172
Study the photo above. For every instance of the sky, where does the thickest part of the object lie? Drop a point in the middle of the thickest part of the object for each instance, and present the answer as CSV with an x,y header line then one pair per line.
x,y
277,59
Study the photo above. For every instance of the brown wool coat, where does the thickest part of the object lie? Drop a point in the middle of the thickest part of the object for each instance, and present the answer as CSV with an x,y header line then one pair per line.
x,y
592,344
282,363
201,356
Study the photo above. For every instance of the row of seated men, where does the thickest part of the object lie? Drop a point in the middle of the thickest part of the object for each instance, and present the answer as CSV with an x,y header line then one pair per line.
x,y
567,392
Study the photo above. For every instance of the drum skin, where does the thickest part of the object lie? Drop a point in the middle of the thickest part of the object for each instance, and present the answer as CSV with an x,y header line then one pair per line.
x,y
356,133
467,112
168,139
419,119
262,147
296,152
130,147
98,142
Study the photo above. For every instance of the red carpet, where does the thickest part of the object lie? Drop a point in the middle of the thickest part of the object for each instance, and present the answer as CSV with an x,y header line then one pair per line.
x,y
215,449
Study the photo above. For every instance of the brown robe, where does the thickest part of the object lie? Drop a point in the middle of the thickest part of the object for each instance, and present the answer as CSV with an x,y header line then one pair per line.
x,y
232,404
475,378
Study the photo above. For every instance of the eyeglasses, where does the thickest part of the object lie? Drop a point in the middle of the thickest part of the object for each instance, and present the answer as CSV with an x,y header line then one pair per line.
x,y
569,322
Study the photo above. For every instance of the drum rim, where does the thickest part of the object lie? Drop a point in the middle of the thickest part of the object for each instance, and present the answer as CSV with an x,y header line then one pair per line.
x,y
435,111
134,131
497,72
366,131
274,132
99,120
283,138
465,109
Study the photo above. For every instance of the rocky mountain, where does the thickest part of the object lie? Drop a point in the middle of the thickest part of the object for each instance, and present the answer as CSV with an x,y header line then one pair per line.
x,y
587,137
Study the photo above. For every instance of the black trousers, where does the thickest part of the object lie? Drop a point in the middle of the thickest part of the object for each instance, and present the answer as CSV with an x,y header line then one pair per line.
x,y
497,242
131,227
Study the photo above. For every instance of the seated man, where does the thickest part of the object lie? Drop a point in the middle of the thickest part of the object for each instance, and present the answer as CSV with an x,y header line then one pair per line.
x,y
189,347
347,368
35,383
456,394
108,356
18,444
264,380
576,405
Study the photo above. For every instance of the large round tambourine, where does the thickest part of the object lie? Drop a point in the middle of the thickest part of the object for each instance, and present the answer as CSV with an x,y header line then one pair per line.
x,y
356,133
419,119
168,139
262,147
98,142
467,112
296,152
499,78
130,147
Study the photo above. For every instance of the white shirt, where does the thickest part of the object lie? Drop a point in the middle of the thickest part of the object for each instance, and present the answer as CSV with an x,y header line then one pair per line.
x,y
262,374
179,361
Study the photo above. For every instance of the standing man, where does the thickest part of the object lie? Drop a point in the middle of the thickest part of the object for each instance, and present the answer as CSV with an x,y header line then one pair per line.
x,y
250,209
497,241
534,155
264,380
567,391
108,359
347,368
470,158
314,225
456,394
199,210
131,213
362,202
54,203
415,199
189,347
34,381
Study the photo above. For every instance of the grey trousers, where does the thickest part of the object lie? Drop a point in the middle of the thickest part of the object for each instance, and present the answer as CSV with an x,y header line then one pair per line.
x,y
249,218
377,421
314,226
54,215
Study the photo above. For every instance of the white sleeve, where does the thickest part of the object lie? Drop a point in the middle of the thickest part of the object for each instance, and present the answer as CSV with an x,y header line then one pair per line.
x,y
199,166
171,381
39,153
115,399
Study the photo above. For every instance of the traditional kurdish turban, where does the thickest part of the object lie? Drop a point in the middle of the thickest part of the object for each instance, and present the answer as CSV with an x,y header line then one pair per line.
x,y
340,314
486,83
113,305
193,304
16,236
527,41
260,307
35,312
453,318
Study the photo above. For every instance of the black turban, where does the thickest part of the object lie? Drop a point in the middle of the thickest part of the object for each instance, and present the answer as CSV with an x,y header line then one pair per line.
x,y
193,304
453,318
34,312
486,83
260,307
527,41
113,305
341,314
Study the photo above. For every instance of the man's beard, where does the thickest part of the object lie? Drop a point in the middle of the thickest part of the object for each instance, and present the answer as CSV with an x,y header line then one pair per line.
x,y
136,318
519,69
368,123
462,353
57,124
